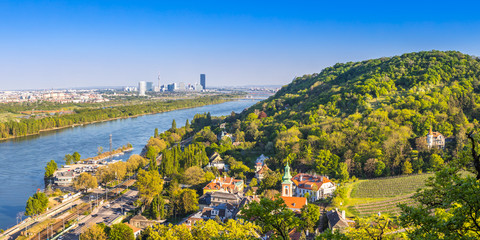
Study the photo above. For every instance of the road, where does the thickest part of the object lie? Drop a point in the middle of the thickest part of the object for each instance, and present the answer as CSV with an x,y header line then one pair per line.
x,y
105,215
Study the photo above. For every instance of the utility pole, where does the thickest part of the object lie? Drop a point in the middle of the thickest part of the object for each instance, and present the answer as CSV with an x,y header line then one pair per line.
x,y
111,147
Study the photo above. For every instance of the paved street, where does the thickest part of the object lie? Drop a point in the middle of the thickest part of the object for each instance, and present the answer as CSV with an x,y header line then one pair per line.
x,y
103,214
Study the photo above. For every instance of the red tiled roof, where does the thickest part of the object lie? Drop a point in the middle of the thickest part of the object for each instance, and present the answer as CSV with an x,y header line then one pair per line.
x,y
263,169
295,202
294,234
435,134
226,183
135,229
308,180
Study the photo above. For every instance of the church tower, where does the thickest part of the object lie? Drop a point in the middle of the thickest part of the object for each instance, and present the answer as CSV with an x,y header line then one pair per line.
x,y
287,184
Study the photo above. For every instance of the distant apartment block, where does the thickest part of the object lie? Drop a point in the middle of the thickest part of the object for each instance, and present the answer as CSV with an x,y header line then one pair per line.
x,y
142,88
203,81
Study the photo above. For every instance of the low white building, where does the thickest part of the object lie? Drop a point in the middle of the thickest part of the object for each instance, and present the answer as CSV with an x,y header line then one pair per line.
x,y
64,178
316,186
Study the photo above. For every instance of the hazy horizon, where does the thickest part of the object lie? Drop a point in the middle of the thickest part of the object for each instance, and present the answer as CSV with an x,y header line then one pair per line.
x,y
58,44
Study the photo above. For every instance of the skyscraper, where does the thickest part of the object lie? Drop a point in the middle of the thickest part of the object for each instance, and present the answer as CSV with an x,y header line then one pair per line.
x,y
150,86
142,87
202,81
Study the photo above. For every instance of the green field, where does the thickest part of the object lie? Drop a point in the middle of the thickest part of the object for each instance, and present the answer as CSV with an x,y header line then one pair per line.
x,y
7,116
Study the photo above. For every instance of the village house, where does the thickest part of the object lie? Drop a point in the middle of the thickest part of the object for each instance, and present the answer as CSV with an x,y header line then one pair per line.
x,y
337,220
142,222
260,167
225,184
435,140
223,211
217,162
224,135
136,231
317,187
219,197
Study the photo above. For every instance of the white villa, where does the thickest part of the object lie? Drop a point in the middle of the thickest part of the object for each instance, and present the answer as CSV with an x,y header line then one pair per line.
x,y
317,187
435,139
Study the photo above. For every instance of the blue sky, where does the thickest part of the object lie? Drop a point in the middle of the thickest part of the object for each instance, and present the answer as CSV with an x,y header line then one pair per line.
x,y
61,44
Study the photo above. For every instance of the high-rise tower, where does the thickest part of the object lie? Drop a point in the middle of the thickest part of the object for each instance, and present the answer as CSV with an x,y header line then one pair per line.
x,y
142,87
203,81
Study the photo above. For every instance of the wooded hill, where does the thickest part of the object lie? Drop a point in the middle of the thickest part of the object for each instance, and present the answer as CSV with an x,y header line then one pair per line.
x,y
366,117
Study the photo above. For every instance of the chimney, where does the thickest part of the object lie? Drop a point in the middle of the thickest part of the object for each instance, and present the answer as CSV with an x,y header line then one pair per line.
x,y
343,214
301,177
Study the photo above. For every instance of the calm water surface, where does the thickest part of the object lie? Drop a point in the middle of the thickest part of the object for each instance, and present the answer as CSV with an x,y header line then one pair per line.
x,y
23,160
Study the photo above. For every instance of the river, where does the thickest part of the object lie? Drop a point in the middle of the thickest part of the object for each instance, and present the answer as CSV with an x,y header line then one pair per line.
x,y
23,160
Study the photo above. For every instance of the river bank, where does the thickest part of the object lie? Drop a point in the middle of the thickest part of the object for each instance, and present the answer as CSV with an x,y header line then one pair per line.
x,y
114,153
220,100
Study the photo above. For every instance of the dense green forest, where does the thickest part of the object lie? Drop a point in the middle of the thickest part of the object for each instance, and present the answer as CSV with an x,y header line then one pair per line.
x,y
368,117
29,126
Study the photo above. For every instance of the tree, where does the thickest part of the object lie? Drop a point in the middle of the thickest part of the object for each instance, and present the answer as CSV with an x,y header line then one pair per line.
x,y
310,216
85,181
270,180
407,167
370,166
93,232
159,143
36,204
194,175
174,126
188,201
157,208
375,227
271,215
476,157
379,167
448,208
209,176
76,157
121,231
68,159
149,184
155,134
436,162
253,182
343,173
240,229
326,162
50,169
328,234
100,150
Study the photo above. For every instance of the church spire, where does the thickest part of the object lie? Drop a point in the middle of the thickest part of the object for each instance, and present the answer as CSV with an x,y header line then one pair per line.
x,y
286,176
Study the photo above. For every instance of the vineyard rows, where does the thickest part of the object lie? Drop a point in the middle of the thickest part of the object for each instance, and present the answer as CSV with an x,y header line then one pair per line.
x,y
389,187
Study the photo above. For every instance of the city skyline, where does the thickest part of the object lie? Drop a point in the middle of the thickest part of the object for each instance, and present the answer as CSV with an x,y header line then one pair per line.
x,y
56,44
